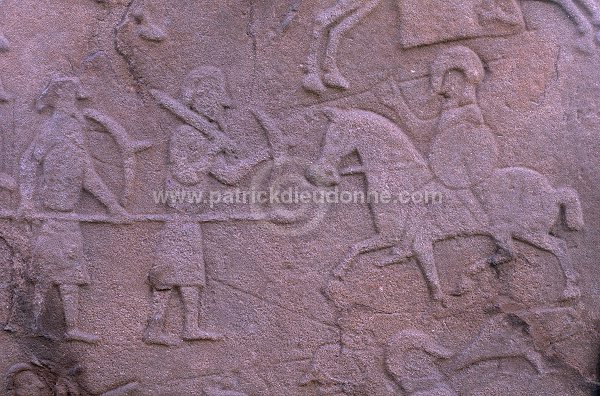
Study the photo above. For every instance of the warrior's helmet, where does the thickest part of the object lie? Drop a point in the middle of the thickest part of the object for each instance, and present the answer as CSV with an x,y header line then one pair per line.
x,y
458,58
61,88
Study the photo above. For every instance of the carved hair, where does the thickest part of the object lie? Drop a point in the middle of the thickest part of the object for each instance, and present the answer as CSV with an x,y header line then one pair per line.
x,y
58,86
457,58
199,75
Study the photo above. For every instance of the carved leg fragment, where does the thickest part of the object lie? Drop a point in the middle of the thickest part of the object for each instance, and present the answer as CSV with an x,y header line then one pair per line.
x,y
424,254
191,305
313,82
558,248
333,22
70,299
332,76
154,333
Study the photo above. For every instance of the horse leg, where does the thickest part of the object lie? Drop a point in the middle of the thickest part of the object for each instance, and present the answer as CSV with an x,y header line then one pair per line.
x,y
558,248
312,82
504,253
466,280
333,77
575,14
424,254
368,245
594,9
505,248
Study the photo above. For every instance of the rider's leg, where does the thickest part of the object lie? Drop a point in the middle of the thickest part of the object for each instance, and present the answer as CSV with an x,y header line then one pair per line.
x,y
332,76
323,22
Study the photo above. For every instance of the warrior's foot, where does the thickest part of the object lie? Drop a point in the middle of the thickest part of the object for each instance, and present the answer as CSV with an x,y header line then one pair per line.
x,y
571,293
161,339
312,83
152,33
200,335
78,335
335,79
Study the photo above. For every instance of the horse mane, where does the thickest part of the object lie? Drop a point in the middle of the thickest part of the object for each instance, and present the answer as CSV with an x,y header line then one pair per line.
x,y
389,132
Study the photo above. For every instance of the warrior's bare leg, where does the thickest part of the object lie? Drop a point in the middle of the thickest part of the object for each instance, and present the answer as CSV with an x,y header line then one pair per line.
x,y
323,22
39,300
332,76
191,306
70,299
154,333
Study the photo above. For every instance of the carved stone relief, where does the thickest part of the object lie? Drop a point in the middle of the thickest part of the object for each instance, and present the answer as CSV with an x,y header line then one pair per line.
x,y
351,197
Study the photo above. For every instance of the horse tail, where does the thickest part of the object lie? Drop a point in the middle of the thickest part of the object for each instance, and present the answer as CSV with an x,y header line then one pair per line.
x,y
569,200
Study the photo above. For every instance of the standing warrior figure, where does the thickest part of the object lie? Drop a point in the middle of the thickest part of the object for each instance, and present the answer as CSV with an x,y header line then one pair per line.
x,y
197,150
58,163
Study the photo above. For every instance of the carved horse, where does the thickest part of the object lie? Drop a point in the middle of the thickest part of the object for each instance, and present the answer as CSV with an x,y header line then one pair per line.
x,y
331,24
516,203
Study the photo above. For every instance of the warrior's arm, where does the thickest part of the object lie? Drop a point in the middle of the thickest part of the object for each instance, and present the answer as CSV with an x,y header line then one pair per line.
x,y
191,118
232,174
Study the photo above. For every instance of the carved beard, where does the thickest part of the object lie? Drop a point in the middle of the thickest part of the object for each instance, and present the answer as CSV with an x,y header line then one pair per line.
x,y
210,108
469,115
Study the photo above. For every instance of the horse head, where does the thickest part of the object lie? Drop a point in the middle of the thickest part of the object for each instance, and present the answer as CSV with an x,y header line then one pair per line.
x,y
325,171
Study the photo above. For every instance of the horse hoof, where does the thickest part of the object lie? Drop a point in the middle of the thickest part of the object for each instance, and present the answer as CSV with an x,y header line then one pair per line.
x,y
440,298
336,80
312,83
